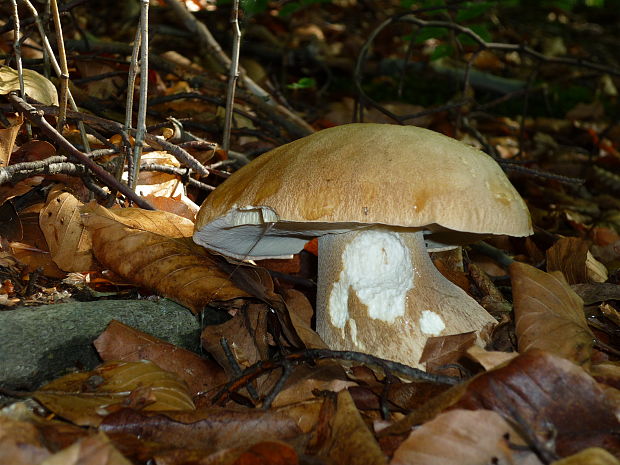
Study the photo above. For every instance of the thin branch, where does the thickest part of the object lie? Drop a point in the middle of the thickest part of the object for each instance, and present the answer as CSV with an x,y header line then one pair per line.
x,y
183,173
48,49
208,42
37,118
233,76
310,355
144,80
64,74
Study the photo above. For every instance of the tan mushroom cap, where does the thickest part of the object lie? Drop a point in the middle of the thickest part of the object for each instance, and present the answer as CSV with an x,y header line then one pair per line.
x,y
364,174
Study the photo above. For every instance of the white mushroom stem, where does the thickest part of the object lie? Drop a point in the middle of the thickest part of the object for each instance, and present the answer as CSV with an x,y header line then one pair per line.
x,y
379,292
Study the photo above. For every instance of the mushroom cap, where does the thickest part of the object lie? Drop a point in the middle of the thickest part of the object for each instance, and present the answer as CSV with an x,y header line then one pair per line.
x,y
354,176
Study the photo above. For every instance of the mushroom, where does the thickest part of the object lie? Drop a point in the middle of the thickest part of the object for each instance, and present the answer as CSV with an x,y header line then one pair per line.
x,y
378,197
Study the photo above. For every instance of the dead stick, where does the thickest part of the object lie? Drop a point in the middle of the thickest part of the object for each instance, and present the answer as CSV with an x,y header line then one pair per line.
x,y
37,118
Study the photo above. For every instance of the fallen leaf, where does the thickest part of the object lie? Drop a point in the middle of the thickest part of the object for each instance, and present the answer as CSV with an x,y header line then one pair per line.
x,y
152,249
489,359
549,315
68,241
121,342
349,440
589,456
36,85
572,257
548,396
208,429
85,398
461,437
441,351
268,453
7,140
93,450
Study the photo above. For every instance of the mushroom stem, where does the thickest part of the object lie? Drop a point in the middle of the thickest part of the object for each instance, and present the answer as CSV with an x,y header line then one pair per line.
x,y
379,292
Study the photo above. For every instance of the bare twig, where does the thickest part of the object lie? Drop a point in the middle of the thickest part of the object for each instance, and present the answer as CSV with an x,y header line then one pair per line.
x,y
208,42
64,74
233,76
310,355
482,45
48,49
17,48
234,366
144,80
183,173
37,118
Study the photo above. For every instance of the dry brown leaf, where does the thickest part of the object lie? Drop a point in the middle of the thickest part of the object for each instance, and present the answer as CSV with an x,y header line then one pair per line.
x,y
121,342
440,351
464,437
177,205
589,456
325,375
268,453
489,359
7,141
301,313
152,249
607,373
568,255
93,450
85,398
549,315
246,335
597,292
209,429
68,241
548,396
349,440
35,258
33,150
572,257
20,442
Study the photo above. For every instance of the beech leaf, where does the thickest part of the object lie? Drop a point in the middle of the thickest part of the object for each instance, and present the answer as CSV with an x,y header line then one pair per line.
x,y
461,436
549,314
69,243
153,249
84,398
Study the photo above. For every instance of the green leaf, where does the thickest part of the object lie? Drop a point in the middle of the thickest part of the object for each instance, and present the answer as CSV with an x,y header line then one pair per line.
x,y
430,33
441,51
303,83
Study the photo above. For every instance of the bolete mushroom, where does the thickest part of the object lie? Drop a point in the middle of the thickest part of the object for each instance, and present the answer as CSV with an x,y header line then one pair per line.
x,y
378,196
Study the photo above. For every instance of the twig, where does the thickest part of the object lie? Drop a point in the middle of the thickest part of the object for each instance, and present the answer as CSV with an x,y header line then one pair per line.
x,y
17,48
233,76
48,49
131,85
234,366
156,142
183,173
64,74
144,80
311,355
287,370
208,42
482,45
37,118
